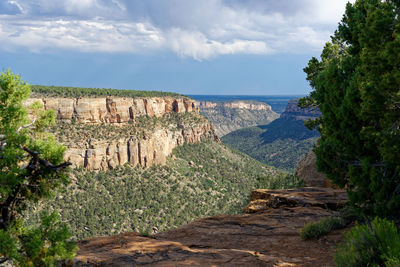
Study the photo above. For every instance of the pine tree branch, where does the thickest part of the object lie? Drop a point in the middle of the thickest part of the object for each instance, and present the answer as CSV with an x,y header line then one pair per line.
x,y
29,125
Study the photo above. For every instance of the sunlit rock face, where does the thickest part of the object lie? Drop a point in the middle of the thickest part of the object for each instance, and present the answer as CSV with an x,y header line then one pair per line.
x,y
114,109
144,150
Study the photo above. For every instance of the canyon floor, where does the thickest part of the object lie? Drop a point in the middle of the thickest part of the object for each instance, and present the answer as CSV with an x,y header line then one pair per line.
x,y
268,236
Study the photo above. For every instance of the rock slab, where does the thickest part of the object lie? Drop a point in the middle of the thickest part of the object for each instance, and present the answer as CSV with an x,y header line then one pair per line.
x,y
264,199
267,238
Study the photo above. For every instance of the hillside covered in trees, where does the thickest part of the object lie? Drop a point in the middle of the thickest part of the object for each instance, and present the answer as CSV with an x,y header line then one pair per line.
x,y
62,91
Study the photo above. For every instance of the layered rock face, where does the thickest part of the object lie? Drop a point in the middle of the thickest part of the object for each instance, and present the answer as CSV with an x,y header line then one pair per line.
x,y
113,109
145,151
266,237
235,105
293,111
231,116
142,149
247,105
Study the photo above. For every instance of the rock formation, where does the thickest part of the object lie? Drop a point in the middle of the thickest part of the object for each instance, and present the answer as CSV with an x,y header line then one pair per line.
x,y
293,111
264,199
144,149
269,237
307,171
230,116
113,109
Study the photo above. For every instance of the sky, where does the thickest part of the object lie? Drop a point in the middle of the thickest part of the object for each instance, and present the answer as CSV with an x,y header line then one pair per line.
x,y
245,47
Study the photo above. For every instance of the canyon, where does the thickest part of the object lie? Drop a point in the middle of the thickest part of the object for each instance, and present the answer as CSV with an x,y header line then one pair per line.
x,y
266,235
280,143
140,147
233,115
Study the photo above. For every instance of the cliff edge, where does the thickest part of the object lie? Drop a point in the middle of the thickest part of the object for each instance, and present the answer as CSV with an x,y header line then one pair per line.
x,y
266,237
105,132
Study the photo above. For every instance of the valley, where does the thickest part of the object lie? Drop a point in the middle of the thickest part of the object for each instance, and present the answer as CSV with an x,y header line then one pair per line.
x,y
281,143
147,164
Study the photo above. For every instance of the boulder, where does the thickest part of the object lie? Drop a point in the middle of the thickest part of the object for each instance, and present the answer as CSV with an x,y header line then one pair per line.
x,y
264,199
307,171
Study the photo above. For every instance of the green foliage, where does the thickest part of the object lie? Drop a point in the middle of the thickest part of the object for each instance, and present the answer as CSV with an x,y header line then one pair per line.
x,y
42,245
226,120
356,86
59,91
314,230
375,244
199,180
280,144
30,169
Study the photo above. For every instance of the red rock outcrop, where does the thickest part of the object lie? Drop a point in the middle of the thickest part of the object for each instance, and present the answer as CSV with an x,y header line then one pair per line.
x,y
307,171
264,199
267,238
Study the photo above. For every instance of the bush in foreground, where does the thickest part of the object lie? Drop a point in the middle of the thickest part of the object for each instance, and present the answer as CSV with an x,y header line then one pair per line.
x,y
374,244
315,230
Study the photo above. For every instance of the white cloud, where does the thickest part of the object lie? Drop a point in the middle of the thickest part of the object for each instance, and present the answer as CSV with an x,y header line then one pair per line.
x,y
197,46
88,36
190,28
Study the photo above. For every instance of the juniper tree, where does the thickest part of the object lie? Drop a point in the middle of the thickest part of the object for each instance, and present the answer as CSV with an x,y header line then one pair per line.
x,y
31,167
356,85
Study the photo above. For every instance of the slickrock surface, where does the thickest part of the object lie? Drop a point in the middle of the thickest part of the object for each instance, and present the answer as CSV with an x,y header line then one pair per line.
x,y
263,199
307,171
266,238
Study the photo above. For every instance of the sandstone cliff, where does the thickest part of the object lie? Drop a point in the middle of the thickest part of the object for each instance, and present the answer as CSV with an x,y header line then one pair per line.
x,y
130,141
114,109
144,149
234,115
293,111
250,105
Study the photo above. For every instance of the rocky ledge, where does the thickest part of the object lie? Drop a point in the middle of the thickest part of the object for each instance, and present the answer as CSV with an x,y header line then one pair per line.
x,y
113,109
269,237
294,112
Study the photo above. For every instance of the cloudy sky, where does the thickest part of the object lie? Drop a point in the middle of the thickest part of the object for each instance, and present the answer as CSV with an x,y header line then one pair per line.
x,y
186,46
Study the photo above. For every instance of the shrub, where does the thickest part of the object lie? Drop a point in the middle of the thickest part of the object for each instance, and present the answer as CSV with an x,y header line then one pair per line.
x,y
315,230
374,244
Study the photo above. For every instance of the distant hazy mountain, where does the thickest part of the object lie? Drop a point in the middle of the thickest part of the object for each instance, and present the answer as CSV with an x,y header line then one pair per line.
x,y
282,142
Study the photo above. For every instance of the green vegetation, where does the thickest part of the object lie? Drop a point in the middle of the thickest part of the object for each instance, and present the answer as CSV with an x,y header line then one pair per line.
x,y
314,230
280,144
72,133
60,91
227,120
375,244
199,180
31,167
356,86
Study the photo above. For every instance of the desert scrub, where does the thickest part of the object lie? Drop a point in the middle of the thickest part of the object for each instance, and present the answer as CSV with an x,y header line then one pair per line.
x,y
202,180
314,230
62,91
373,244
